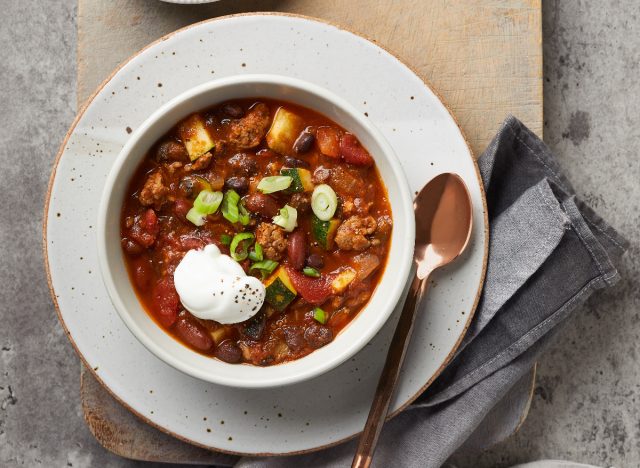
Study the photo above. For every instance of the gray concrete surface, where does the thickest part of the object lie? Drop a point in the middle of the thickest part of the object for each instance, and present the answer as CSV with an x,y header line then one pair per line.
x,y
586,400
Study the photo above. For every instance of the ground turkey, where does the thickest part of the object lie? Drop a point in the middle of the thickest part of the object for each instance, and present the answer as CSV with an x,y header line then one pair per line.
x,y
248,131
154,193
352,233
201,163
272,240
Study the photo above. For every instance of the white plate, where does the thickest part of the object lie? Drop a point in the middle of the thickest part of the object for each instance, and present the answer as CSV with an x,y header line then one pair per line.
x,y
300,417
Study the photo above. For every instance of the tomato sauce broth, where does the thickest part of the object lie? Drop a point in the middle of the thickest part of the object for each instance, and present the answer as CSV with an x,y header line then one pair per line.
x,y
156,235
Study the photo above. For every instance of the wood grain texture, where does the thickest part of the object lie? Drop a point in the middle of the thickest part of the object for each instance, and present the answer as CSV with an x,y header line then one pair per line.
x,y
123,434
484,58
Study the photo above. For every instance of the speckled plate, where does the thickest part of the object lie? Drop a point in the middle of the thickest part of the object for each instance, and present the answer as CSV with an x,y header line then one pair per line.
x,y
296,418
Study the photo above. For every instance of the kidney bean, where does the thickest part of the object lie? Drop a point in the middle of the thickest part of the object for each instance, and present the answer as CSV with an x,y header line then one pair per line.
x,y
315,261
233,110
166,300
294,338
181,207
318,335
193,333
297,249
171,150
142,273
293,162
264,205
304,142
229,352
239,184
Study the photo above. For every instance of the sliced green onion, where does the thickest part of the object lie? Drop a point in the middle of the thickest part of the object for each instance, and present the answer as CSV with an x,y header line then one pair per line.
x,y
274,183
239,245
287,219
230,206
320,315
324,202
308,271
225,239
243,215
207,202
266,267
256,254
196,217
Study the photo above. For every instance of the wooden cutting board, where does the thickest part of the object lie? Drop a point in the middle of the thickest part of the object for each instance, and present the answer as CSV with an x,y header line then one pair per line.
x,y
483,57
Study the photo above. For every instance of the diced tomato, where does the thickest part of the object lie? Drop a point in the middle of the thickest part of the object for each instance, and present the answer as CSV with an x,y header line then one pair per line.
x,y
142,273
312,290
166,301
193,332
145,228
328,139
150,221
181,207
353,152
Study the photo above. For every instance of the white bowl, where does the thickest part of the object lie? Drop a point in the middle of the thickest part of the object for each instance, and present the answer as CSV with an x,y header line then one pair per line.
x,y
356,334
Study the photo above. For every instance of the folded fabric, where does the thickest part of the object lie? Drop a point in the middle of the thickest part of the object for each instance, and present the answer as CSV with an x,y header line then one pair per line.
x,y
548,253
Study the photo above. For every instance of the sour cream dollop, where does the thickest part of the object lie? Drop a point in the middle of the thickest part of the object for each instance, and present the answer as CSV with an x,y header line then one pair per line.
x,y
213,286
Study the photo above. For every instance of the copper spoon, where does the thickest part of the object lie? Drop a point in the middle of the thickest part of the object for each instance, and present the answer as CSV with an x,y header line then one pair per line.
x,y
443,226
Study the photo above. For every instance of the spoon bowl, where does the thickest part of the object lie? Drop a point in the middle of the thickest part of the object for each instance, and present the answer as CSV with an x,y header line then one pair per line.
x,y
444,220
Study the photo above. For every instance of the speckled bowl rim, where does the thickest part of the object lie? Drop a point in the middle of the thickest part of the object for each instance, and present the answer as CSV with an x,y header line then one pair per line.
x,y
95,375
360,330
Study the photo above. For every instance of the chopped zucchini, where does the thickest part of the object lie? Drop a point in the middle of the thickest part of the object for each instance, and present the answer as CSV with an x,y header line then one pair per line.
x,y
324,231
279,290
218,335
300,180
344,279
284,130
195,136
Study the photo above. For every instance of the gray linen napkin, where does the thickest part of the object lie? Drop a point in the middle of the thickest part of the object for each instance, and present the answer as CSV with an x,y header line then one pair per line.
x,y
548,253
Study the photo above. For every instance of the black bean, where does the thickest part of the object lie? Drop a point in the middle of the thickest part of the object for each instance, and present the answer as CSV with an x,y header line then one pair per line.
x,y
315,261
254,327
243,164
321,175
293,162
233,110
239,184
301,202
318,335
304,142
229,352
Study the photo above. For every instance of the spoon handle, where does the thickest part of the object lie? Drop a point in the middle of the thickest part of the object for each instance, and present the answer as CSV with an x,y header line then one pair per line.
x,y
389,376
